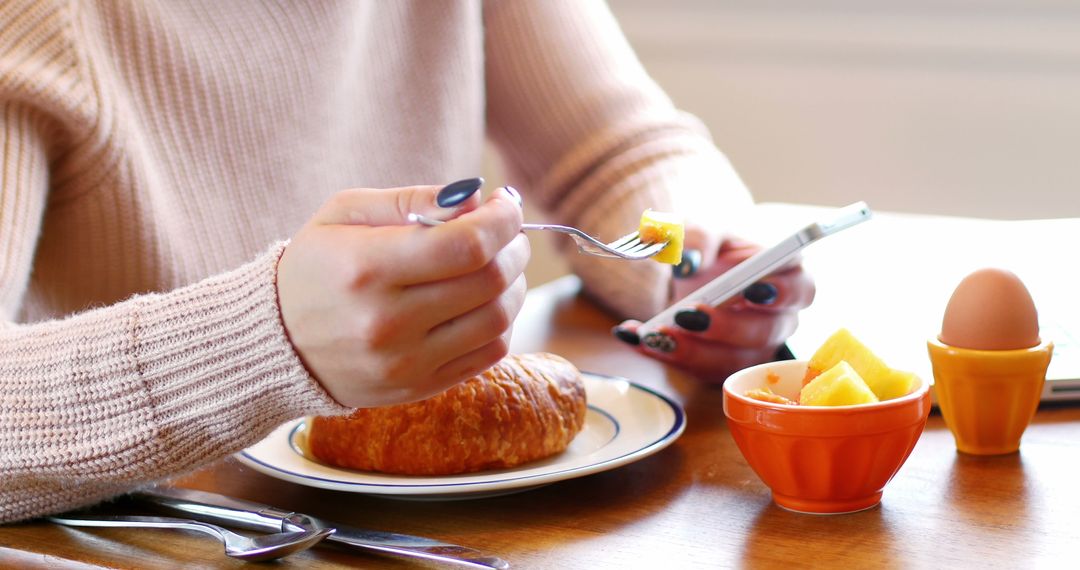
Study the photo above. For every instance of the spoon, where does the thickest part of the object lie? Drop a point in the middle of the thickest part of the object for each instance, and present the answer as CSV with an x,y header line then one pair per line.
x,y
263,547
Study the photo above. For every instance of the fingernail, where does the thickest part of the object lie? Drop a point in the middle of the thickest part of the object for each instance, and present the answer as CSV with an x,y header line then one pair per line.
x,y
660,342
515,195
691,261
692,320
761,293
626,335
784,353
455,193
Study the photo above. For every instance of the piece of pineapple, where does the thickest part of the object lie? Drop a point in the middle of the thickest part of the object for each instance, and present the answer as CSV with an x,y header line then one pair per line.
x,y
658,227
885,382
840,385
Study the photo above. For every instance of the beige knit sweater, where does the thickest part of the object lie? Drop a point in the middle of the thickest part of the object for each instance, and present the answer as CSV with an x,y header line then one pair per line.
x,y
154,154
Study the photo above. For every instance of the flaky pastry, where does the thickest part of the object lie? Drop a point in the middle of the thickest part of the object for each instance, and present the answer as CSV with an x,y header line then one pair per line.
x,y
524,408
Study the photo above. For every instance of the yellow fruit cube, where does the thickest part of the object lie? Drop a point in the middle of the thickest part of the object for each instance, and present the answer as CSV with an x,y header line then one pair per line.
x,y
656,227
842,346
840,385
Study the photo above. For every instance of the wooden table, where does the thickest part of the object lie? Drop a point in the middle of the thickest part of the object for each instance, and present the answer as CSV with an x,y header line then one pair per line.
x,y
695,504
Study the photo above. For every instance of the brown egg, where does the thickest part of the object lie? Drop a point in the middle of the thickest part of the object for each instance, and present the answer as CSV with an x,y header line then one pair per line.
x,y
990,310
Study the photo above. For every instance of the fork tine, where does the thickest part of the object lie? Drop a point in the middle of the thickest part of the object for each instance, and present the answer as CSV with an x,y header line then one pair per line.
x,y
632,247
639,248
651,249
626,240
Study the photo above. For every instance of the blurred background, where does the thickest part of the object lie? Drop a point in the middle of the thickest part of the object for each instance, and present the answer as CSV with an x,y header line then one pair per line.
x,y
958,107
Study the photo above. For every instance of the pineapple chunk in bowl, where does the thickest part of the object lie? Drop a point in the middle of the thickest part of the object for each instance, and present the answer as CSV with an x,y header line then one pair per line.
x,y
821,459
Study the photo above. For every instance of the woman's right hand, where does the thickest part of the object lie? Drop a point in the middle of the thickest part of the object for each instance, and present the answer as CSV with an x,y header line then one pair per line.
x,y
748,329
384,312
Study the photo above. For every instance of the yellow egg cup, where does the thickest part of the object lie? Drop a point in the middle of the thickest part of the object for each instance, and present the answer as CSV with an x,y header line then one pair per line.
x,y
988,397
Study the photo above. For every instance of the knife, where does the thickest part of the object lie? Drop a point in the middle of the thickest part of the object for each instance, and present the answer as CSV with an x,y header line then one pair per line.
x,y
211,507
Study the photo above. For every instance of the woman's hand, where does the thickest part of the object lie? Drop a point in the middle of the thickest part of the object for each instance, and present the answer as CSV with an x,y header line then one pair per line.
x,y
712,342
382,312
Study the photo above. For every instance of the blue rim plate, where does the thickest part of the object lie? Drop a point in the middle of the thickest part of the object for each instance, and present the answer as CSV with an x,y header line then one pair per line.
x,y
625,422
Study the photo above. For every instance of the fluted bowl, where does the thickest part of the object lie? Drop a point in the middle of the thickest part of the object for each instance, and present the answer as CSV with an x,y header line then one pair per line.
x,y
821,459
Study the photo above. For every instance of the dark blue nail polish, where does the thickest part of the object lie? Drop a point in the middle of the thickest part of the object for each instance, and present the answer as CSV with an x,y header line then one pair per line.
x,y
761,293
626,335
691,262
515,195
692,320
660,342
455,193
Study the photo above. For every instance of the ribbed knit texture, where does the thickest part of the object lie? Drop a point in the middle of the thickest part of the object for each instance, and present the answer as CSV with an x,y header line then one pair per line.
x,y
153,152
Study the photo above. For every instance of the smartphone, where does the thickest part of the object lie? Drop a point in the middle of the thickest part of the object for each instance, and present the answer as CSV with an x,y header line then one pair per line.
x,y
733,281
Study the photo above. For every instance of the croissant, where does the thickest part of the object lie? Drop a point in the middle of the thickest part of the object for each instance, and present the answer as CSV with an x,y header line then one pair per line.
x,y
524,408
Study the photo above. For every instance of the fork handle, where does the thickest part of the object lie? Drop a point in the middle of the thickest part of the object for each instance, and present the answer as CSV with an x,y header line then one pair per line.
x,y
552,227
137,522
429,221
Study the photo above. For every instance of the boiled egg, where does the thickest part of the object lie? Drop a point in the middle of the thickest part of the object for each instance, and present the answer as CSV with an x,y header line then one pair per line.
x,y
990,309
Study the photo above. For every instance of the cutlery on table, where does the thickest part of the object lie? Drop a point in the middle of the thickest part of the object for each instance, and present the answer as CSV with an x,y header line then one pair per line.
x,y
264,547
221,509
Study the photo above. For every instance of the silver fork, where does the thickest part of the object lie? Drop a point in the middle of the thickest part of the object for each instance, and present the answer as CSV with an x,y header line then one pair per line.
x,y
629,246
263,547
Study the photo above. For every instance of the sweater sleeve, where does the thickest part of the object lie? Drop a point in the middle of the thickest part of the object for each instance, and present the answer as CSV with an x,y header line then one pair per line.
x,y
585,131
111,398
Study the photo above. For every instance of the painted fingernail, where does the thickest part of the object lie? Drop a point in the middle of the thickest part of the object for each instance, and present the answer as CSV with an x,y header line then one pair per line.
x,y
692,320
691,261
660,342
515,195
626,335
455,193
761,293
784,353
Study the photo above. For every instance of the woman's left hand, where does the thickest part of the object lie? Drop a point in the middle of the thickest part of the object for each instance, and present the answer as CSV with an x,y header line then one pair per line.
x,y
713,342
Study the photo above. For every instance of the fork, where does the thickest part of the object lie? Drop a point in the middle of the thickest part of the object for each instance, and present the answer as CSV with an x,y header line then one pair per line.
x,y
628,247
263,547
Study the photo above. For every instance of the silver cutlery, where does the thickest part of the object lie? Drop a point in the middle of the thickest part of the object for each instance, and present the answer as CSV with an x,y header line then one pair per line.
x,y
264,547
629,246
254,516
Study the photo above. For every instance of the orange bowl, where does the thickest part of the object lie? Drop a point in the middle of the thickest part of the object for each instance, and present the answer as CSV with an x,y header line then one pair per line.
x,y
821,459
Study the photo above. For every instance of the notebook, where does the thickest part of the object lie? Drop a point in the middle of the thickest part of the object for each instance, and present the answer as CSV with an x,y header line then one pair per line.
x,y
888,281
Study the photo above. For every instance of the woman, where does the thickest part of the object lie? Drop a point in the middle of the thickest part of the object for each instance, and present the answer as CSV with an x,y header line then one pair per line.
x,y
156,156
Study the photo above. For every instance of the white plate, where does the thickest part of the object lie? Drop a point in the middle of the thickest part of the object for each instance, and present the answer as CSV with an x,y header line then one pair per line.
x,y
625,422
